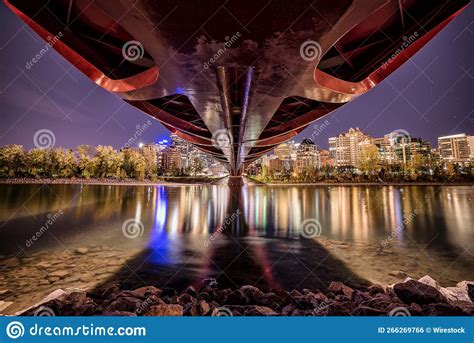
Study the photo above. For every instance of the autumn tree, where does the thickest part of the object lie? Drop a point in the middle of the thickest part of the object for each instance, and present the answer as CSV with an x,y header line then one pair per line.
x,y
13,160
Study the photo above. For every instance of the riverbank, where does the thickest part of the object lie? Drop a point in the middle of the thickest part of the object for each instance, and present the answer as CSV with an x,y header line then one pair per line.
x,y
110,181
380,184
424,297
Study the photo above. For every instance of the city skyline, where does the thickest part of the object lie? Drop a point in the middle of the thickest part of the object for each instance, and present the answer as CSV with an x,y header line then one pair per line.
x,y
175,156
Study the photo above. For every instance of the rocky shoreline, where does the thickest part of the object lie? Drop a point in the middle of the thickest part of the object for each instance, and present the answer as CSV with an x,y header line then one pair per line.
x,y
27,280
423,297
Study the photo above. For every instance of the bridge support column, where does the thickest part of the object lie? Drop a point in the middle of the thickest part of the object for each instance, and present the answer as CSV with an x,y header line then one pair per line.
x,y
236,181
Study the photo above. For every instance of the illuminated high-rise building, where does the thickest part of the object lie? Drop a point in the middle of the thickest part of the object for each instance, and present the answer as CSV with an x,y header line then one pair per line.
x,y
454,148
345,147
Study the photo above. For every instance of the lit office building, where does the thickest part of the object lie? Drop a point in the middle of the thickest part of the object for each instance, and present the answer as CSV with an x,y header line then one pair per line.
x,y
344,148
307,156
455,148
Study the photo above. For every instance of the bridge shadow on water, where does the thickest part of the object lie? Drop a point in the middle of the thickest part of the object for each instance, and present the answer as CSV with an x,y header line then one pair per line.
x,y
236,255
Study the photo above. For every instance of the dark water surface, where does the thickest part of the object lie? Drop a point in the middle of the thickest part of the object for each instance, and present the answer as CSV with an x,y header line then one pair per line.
x,y
179,235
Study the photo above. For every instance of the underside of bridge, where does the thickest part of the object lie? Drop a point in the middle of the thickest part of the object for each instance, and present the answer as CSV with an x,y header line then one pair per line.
x,y
237,78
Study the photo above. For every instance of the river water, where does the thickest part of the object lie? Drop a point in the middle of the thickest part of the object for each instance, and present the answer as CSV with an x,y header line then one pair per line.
x,y
288,237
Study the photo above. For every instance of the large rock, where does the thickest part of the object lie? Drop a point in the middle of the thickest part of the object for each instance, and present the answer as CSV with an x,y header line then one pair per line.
x,y
375,289
271,300
358,297
252,294
127,304
147,291
416,292
452,294
468,287
77,303
165,310
203,307
455,294
185,298
338,288
428,280
307,301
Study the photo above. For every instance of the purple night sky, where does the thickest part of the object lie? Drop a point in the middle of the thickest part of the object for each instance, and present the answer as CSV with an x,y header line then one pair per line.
x,y
429,96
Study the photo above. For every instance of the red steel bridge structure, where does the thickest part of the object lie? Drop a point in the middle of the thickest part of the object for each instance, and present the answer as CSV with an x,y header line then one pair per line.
x,y
237,77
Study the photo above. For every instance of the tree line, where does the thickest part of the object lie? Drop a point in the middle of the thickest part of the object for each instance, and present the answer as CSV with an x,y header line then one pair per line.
x,y
374,171
84,161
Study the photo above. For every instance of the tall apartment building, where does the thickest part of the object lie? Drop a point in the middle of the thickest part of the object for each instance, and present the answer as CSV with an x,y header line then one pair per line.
x,y
455,148
470,140
345,147
386,149
283,151
417,147
307,156
332,143
171,160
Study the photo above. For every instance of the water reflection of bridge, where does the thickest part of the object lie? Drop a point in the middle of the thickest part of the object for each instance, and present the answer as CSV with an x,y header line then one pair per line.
x,y
255,241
